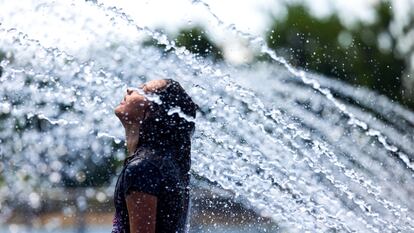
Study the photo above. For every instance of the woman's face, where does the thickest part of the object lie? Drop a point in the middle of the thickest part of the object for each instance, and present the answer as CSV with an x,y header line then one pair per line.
x,y
132,107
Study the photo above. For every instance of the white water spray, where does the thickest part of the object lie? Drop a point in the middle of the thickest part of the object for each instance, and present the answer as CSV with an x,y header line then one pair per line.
x,y
296,155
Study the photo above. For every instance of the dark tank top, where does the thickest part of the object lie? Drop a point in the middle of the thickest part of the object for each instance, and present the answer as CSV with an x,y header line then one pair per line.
x,y
155,173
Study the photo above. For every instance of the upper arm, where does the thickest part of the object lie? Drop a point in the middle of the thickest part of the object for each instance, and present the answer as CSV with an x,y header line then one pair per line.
x,y
142,186
142,212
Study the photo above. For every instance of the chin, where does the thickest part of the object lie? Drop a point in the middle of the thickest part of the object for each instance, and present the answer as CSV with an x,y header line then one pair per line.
x,y
119,111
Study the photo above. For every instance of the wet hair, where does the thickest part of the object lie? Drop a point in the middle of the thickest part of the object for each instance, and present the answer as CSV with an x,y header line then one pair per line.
x,y
167,124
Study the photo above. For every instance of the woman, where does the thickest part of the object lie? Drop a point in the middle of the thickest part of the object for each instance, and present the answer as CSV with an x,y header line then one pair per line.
x,y
152,192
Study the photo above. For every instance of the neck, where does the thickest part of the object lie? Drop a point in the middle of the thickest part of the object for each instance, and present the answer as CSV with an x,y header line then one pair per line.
x,y
132,137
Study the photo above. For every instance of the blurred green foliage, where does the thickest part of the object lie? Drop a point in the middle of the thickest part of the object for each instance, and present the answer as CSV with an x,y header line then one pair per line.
x,y
92,174
363,54
194,40
197,42
350,54
2,56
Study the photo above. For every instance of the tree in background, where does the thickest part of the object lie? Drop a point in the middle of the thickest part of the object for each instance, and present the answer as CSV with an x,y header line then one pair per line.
x,y
2,57
402,29
365,54
197,42
362,55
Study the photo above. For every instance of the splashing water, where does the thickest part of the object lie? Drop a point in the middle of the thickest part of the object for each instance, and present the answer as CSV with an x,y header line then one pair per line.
x,y
311,153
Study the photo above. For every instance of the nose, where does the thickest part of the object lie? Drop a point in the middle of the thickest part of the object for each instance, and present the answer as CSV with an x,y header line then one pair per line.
x,y
129,91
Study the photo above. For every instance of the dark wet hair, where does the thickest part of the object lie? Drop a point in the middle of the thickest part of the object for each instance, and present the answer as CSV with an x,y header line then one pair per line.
x,y
167,125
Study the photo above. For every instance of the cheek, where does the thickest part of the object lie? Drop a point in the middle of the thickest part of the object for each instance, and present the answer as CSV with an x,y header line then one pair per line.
x,y
132,109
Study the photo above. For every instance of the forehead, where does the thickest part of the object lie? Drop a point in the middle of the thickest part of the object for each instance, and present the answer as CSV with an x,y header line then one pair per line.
x,y
154,85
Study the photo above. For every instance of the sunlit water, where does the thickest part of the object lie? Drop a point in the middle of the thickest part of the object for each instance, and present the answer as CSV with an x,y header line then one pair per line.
x,y
309,152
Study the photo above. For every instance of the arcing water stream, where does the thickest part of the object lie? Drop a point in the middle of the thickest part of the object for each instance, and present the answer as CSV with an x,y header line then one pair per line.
x,y
311,153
